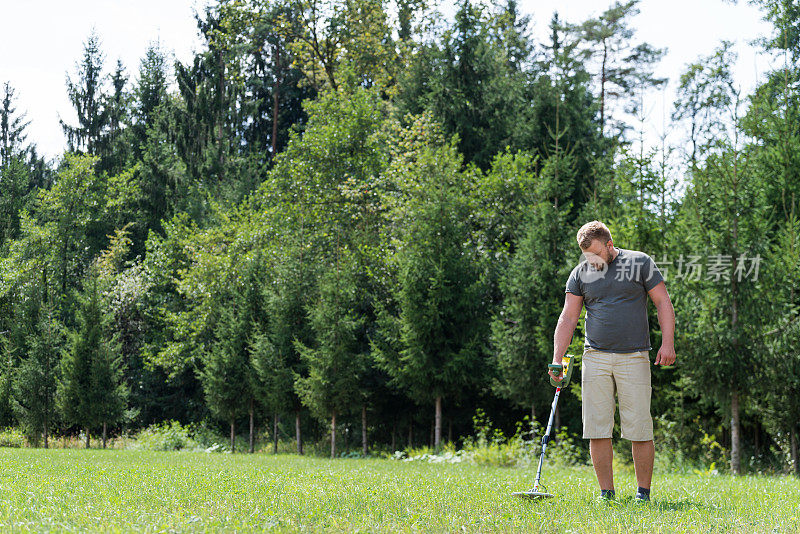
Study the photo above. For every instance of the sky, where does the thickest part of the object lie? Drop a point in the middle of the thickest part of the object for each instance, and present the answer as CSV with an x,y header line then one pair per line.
x,y
41,41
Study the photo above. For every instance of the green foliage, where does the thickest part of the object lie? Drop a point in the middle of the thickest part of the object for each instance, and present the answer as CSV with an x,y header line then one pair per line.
x,y
12,437
471,87
439,290
15,173
335,365
86,93
165,436
622,67
383,221
36,376
91,391
532,285
226,367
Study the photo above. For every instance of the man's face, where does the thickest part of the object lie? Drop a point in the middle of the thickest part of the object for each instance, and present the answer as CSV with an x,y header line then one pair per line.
x,y
599,254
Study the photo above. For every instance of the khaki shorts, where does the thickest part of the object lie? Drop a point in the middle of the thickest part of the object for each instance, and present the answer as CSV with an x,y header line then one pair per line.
x,y
627,374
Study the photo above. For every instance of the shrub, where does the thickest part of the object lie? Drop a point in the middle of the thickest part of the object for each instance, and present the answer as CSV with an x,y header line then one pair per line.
x,y
489,446
12,437
165,436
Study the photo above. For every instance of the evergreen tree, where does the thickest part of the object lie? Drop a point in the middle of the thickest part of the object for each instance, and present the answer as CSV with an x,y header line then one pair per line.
x,y
440,293
253,306
621,65
15,179
780,412
86,92
89,392
12,128
562,101
466,81
6,392
702,97
274,355
226,373
335,365
36,377
109,393
772,120
725,220
150,93
533,285
513,35
116,149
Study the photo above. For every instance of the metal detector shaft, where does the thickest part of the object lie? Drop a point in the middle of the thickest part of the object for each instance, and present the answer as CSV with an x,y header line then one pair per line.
x,y
545,439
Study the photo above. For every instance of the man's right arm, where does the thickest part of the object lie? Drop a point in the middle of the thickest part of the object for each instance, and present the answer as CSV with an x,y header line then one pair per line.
x,y
567,322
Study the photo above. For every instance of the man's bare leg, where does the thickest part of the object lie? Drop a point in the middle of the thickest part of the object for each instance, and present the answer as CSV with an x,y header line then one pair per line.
x,y
602,456
643,457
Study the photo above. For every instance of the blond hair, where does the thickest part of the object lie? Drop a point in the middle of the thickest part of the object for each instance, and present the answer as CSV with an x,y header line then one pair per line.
x,y
591,231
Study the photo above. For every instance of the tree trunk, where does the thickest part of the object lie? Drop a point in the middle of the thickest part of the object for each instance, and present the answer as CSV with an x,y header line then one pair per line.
x,y
252,428
795,459
297,432
533,413
87,438
333,434
220,101
557,420
233,436
603,88
276,101
394,435
450,431
437,440
411,434
736,453
105,430
364,429
275,434
46,433
756,444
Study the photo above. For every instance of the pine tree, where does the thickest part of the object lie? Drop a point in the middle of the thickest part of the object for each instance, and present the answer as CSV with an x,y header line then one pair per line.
x,y
622,66
274,355
466,80
533,284
226,371
90,393
15,176
86,93
115,150
725,220
6,384
36,377
109,394
440,293
334,362
12,128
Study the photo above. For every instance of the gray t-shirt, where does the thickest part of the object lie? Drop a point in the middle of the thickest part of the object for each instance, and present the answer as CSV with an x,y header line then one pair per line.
x,y
616,300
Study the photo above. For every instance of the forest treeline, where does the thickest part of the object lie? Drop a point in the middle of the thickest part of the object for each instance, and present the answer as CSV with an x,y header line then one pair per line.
x,y
352,217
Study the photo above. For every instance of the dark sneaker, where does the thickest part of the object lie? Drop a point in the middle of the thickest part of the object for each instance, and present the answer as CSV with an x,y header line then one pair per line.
x,y
641,497
605,496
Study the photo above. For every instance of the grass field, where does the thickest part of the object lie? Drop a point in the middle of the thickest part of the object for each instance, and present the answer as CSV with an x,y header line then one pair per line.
x,y
96,490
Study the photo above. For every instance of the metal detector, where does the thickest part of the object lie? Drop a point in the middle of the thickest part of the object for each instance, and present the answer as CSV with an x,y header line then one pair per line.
x,y
539,490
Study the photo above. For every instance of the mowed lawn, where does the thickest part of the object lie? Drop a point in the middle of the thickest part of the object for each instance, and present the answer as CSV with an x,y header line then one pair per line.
x,y
113,490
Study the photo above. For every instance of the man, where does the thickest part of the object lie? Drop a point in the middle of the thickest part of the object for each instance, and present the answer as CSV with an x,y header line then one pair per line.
x,y
613,283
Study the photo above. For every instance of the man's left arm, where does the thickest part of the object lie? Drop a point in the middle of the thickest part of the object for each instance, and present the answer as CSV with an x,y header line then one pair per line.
x,y
666,319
